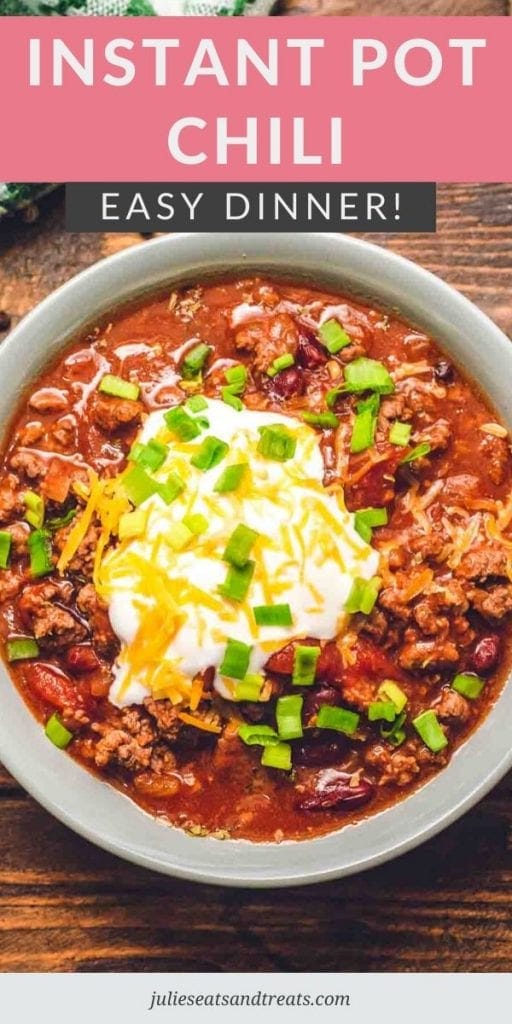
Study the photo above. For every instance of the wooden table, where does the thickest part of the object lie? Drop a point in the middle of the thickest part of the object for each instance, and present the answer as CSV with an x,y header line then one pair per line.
x,y
67,906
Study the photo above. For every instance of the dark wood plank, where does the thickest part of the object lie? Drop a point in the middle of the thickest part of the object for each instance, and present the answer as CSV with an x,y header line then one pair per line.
x,y
65,905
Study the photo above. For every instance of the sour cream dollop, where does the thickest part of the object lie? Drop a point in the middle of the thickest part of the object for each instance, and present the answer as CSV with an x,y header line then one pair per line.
x,y
164,604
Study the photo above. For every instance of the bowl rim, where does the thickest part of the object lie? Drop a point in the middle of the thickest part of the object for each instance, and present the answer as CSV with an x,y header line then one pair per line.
x,y
477,765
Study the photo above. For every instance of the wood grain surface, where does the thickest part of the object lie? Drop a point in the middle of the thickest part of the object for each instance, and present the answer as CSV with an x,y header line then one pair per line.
x,y
66,906
394,7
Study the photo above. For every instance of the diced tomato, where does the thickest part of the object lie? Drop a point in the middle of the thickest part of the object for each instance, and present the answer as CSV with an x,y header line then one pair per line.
x,y
372,663
376,487
329,668
51,686
57,481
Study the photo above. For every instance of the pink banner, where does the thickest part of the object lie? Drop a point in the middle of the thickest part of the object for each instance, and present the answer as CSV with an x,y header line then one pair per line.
x,y
261,99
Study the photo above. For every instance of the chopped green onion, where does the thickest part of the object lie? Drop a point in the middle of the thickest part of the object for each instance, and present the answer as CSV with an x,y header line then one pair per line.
x,y
236,659
239,545
210,453
430,731
194,360
138,486
119,388
132,524
231,478
237,582
230,398
277,443
22,647
5,548
277,756
324,420
332,396
395,733
289,717
181,424
202,422
381,710
258,735
196,403
305,660
65,520
366,518
416,453
150,456
34,505
368,375
337,719
363,595
365,422
249,688
236,377
468,684
273,615
171,489
40,551
196,523
333,336
179,536
388,690
400,433
57,732
280,363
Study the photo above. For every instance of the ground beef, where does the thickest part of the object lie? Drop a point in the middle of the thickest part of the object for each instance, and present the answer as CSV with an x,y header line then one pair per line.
x,y
165,717
493,603
63,433
94,609
420,655
128,742
83,560
10,499
19,533
495,455
267,339
393,408
437,435
30,434
112,414
359,692
32,465
10,585
395,767
452,707
430,611
375,625
481,562
50,623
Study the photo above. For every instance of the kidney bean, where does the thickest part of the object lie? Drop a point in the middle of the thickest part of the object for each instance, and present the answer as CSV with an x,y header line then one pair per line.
x,y
315,699
486,654
316,751
309,353
81,660
443,371
287,383
333,790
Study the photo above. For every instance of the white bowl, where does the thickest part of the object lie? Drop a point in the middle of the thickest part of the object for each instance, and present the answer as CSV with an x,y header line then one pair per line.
x,y
93,808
